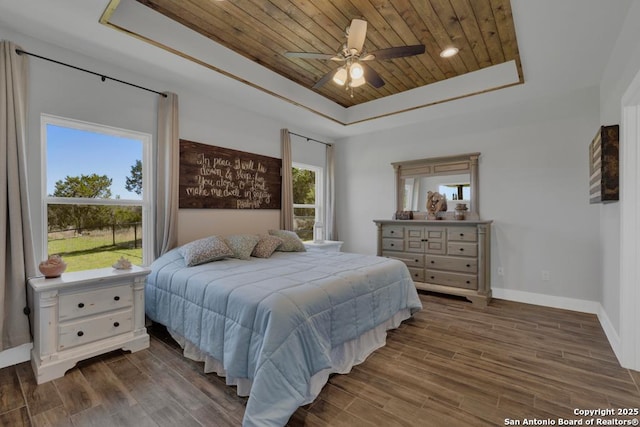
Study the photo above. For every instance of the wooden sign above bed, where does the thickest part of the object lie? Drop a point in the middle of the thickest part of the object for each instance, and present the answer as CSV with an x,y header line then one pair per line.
x,y
221,178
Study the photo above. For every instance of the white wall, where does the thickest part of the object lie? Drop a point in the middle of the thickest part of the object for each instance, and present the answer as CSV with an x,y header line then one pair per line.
x,y
622,67
533,184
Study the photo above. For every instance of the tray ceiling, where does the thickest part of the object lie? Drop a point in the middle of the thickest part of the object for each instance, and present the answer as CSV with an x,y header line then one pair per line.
x,y
263,30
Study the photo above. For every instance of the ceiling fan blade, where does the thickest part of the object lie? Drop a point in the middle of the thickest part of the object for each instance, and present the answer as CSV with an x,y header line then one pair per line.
x,y
371,77
357,34
395,52
309,55
325,79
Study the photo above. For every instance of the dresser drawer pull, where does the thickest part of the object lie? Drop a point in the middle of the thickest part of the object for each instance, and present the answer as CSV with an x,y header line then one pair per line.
x,y
468,281
81,305
433,277
424,240
461,249
391,244
461,234
116,324
468,265
433,262
391,232
80,333
116,298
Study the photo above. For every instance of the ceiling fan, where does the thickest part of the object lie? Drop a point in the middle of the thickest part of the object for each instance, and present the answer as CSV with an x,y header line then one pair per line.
x,y
355,72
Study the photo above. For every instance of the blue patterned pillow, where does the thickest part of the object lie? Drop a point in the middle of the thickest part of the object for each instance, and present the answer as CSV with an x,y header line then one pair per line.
x,y
205,250
290,241
242,245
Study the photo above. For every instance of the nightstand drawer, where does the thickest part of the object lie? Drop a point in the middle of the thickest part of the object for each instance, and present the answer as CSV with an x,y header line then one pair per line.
x,y
80,304
72,334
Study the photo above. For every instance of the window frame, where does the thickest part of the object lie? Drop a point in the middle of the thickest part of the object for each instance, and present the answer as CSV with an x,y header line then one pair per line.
x,y
319,190
146,202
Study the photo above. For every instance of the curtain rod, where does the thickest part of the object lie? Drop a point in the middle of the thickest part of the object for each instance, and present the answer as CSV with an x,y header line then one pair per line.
x,y
310,139
102,76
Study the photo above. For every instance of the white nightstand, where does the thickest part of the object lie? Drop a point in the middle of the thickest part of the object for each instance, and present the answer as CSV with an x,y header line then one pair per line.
x,y
83,314
327,246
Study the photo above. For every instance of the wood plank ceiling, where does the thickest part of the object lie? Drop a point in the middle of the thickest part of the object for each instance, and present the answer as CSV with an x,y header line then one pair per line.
x,y
263,30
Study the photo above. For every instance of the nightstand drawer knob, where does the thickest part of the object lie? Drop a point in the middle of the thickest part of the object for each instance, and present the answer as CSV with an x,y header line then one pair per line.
x,y
116,324
116,298
80,333
81,305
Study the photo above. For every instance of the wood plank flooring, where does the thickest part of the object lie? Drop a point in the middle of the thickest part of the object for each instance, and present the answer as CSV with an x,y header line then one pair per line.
x,y
453,364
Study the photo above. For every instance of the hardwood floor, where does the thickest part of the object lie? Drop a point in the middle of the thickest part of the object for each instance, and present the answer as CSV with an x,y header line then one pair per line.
x,y
451,365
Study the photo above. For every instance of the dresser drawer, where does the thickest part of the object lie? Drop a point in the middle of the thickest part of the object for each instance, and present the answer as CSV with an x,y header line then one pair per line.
x,y
393,231
457,280
80,304
392,244
417,274
462,234
412,260
74,333
463,265
462,249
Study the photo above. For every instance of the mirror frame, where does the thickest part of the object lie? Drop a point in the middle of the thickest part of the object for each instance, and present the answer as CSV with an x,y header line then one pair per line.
x,y
436,166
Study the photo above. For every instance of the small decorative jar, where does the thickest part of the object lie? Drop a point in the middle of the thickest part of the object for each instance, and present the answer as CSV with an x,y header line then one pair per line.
x,y
460,211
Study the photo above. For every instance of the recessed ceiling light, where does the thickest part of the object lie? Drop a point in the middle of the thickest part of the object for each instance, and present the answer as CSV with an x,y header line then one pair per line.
x,y
449,52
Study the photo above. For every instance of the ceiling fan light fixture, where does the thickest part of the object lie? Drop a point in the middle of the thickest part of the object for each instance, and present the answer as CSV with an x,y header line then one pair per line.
x,y
356,71
358,82
340,78
449,52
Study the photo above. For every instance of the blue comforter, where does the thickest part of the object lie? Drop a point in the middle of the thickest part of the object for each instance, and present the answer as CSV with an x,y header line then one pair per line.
x,y
275,321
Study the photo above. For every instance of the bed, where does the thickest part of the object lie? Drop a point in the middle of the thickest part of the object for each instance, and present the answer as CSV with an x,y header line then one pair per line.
x,y
277,327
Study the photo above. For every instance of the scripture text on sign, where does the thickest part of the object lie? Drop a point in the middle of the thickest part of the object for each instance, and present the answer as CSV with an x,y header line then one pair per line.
x,y
216,177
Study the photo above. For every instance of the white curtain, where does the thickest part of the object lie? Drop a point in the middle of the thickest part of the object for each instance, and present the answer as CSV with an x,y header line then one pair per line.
x,y
330,221
286,204
167,169
17,258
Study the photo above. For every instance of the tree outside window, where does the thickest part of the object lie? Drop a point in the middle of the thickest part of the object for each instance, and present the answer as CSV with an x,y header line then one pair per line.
x,y
307,194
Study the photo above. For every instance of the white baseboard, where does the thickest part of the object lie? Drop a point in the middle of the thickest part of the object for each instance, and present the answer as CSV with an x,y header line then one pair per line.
x,y
610,332
574,304
15,355
565,303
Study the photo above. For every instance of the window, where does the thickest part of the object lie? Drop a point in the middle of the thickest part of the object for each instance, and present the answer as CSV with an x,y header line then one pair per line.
x,y
307,197
96,206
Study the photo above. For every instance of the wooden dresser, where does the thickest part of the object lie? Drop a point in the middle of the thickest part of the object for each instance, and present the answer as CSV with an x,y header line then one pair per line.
x,y
446,256
83,314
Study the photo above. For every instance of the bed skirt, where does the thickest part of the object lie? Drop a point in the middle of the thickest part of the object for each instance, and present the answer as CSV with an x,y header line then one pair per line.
x,y
343,357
